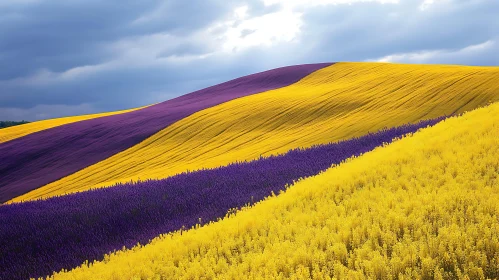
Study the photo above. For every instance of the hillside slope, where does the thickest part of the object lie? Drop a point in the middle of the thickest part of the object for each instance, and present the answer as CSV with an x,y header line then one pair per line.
x,y
37,159
426,206
338,102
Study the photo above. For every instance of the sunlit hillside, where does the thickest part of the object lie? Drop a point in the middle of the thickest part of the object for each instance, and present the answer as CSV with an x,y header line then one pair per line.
x,y
337,102
424,207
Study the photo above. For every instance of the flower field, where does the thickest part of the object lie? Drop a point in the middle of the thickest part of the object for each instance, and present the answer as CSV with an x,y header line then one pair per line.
x,y
334,103
424,207
324,171
103,220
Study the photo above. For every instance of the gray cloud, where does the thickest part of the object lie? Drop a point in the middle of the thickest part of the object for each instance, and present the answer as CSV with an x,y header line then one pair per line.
x,y
64,57
46,111
367,30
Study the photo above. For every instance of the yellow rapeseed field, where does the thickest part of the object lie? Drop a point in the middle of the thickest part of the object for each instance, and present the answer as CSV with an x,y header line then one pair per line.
x,y
18,131
334,103
423,207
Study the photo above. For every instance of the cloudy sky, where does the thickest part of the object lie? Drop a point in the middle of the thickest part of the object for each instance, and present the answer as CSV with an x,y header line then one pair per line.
x,y
71,57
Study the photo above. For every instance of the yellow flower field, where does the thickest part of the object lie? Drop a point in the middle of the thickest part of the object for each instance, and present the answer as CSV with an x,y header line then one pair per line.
x,y
424,207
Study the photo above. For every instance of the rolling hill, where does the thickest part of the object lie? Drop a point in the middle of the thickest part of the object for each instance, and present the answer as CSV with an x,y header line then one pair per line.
x,y
351,170
337,102
40,158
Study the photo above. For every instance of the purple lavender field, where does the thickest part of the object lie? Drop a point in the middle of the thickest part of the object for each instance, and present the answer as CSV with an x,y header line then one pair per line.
x,y
39,237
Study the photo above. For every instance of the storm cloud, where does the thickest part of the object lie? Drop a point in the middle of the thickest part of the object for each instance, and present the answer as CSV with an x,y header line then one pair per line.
x,y
68,57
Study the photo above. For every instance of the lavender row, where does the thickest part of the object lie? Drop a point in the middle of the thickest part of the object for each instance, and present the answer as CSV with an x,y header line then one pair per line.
x,y
39,237
40,158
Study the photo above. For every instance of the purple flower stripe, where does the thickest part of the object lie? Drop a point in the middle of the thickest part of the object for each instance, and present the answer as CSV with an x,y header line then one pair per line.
x,y
35,160
39,237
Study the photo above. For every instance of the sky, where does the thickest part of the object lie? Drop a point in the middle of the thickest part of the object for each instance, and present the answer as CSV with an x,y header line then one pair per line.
x,y
71,57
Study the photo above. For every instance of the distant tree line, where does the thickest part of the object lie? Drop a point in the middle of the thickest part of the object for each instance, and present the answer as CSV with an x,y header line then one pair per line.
x,y
4,124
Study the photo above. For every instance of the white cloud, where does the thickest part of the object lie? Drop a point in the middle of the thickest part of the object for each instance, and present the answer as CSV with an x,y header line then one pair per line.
x,y
241,12
426,4
417,57
45,76
264,31
442,55
480,47
314,3
282,26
